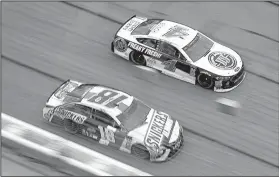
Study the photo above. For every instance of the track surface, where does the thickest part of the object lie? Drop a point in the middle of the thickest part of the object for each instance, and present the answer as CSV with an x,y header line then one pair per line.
x,y
14,164
67,42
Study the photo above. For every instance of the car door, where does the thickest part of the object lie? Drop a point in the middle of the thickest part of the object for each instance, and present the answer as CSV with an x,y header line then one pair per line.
x,y
150,55
185,71
174,64
109,132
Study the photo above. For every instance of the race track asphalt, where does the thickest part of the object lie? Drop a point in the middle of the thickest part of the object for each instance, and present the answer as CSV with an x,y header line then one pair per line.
x,y
46,42
15,164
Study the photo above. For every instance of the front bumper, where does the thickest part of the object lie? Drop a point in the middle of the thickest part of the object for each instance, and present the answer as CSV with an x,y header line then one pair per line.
x,y
231,84
174,150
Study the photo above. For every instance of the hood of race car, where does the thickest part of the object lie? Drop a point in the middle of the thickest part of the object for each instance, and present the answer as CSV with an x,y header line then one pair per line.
x,y
221,61
158,129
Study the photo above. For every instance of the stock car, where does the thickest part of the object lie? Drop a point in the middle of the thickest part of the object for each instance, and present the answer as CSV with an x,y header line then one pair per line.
x,y
180,52
114,118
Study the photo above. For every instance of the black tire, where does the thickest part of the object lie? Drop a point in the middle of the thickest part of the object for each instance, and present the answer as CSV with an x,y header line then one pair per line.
x,y
112,47
71,126
205,80
140,151
137,58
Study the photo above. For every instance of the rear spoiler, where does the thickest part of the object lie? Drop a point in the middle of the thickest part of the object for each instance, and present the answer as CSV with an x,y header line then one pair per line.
x,y
140,20
124,24
64,88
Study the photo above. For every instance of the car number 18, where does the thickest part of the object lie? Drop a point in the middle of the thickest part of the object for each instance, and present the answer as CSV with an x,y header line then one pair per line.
x,y
107,135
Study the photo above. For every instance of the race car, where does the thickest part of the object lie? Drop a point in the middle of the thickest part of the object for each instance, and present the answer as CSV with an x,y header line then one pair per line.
x,y
180,52
114,118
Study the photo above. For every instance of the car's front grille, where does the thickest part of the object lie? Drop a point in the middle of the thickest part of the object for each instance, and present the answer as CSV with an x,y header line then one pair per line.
x,y
176,146
236,77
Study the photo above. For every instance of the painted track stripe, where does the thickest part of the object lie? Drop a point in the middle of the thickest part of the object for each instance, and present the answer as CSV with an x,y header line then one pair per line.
x,y
15,130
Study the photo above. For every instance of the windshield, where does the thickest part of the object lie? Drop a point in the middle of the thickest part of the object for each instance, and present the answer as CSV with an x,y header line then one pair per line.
x,y
145,27
134,115
198,47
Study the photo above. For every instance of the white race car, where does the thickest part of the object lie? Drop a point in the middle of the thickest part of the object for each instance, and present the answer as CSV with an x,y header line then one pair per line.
x,y
180,52
114,118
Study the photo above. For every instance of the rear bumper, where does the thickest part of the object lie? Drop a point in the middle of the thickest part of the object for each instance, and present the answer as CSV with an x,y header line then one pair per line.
x,y
115,35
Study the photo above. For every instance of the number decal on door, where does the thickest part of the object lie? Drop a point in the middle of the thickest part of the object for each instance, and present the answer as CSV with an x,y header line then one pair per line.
x,y
169,65
106,135
105,97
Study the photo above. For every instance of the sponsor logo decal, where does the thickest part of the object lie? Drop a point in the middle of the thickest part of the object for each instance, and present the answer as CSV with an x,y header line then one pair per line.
x,y
65,114
120,44
131,25
160,126
156,28
145,50
222,60
237,69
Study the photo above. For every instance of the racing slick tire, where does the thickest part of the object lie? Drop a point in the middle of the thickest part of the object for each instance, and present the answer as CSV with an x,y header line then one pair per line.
x,y
71,126
137,58
205,80
140,151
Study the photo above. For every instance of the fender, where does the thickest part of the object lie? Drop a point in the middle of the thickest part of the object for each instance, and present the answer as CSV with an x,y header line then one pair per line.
x,y
205,72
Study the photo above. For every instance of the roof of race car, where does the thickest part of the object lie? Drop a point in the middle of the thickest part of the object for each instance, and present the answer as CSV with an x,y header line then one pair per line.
x,y
177,34
107,99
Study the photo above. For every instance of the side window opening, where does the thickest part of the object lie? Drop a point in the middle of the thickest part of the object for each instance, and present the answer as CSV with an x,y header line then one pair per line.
x,y
169,49
69,107
104,118
149,42
83,110
184,67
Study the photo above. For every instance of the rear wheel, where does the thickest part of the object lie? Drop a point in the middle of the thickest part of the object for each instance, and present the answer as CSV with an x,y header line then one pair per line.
x,y
137,58
71,126
205,80
140,151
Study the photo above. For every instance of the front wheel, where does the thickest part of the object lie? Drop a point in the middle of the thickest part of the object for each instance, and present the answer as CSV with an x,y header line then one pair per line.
x,y
140,151
205,80
137,58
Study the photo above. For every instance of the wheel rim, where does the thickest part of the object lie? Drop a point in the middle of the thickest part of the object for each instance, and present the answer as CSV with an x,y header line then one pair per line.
x,y
205,80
